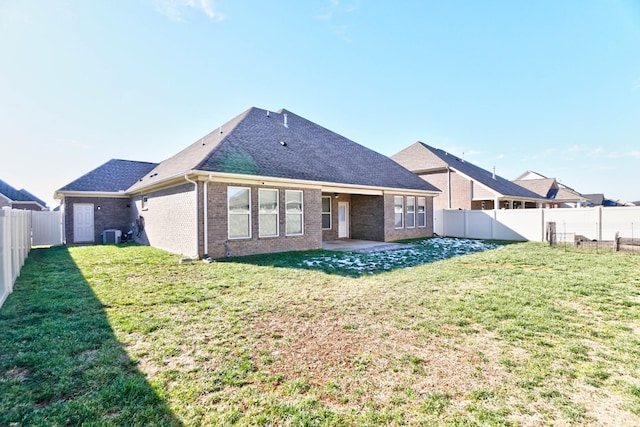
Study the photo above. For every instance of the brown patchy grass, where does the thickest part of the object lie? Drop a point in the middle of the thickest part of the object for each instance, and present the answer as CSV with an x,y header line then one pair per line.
x,y
525,335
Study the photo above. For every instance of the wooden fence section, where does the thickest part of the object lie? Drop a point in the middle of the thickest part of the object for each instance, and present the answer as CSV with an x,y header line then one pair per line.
x,y
598,223
15,243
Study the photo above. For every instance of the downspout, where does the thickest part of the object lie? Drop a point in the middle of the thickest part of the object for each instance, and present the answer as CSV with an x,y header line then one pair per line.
x,y
206,219
448,187
196,193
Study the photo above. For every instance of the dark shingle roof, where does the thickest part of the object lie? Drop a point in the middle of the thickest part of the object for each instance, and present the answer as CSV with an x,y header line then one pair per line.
x,y
19,195
498,184
258,144
32,197
111,177
12,194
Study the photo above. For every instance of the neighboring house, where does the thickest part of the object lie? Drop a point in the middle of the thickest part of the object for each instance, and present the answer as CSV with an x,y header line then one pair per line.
x,y
598,199
559,195
263,182
464,185
19,199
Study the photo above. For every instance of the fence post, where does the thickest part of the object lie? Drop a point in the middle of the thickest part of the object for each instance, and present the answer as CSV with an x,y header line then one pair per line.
x,y
6,276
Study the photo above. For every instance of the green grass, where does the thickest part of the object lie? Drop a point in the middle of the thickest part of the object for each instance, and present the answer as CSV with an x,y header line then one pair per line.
x,y
125,335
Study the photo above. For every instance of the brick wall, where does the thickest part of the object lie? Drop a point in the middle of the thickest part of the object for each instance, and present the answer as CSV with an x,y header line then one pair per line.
x,y
217,227
169,219
460,189
391,233
367,217
108,213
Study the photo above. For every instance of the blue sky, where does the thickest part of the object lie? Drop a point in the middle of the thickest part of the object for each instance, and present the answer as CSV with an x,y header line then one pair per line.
x,y
549,86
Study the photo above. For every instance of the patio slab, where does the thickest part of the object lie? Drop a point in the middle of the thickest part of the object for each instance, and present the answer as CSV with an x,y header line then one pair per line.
x,y
362,246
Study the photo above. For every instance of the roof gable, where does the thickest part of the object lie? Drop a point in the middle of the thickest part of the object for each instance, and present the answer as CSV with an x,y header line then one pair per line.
x,y
284,145
496,183
112,177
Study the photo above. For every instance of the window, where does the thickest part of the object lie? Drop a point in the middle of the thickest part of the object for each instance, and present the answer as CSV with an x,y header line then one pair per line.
x,y
326,213
422,211
398,208
239,205
145,203
268,205
411,212
293,201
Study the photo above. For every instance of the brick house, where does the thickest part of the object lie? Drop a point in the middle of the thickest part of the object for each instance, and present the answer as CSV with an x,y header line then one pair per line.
x,y
263,182
463,184
19,199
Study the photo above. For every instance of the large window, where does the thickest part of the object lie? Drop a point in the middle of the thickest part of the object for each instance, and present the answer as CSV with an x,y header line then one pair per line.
x,y
422,211
398,209
411,212
268,205
326,213
294,208
239,206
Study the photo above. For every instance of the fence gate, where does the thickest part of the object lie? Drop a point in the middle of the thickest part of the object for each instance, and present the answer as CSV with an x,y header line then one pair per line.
x,y
46,228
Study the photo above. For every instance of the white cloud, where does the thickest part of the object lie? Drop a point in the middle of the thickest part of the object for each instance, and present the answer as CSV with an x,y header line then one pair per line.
x,y
634,153
334,11
177,9
575,148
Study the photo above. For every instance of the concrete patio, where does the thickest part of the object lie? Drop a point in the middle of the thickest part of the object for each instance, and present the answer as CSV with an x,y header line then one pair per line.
x,y
362,246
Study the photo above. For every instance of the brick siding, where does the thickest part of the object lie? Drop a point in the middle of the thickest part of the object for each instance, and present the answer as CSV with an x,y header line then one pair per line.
x,y
218,223
391,233
108,213
169,219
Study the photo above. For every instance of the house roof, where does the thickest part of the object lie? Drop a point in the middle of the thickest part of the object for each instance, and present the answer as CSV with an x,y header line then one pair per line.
x,y
544,187
550,188
112,177
19,195
424,158
284,145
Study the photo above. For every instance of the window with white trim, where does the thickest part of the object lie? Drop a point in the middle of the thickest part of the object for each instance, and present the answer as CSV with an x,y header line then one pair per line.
x,y
239,209
294,210
268,207
398,209
422,211
326,213
411,212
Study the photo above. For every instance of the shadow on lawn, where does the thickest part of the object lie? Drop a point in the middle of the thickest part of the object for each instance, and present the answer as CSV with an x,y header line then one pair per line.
x,y
60,362
356,264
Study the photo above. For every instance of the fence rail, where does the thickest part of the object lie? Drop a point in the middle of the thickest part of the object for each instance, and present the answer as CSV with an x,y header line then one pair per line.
x,y
598,223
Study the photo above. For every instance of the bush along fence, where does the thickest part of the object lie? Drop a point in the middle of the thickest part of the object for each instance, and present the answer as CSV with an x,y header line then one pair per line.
x,y
15,244
571,225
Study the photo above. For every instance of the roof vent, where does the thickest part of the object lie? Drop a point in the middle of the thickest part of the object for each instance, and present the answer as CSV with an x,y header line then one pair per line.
x,y
284,144
494,173
285,121
268,113
220,130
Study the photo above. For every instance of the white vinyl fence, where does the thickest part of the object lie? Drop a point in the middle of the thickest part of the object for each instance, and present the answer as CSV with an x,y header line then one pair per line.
x,y
15,243
46,228
19,231
598,223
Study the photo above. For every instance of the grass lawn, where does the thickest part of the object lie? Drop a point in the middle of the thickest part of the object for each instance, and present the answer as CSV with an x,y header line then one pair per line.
x,y
523,334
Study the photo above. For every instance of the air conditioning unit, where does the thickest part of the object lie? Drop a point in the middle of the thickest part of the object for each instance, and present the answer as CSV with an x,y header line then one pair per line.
x,y
111,236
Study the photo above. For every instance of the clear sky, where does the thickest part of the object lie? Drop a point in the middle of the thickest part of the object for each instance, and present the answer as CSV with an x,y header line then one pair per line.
x,y
547,85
